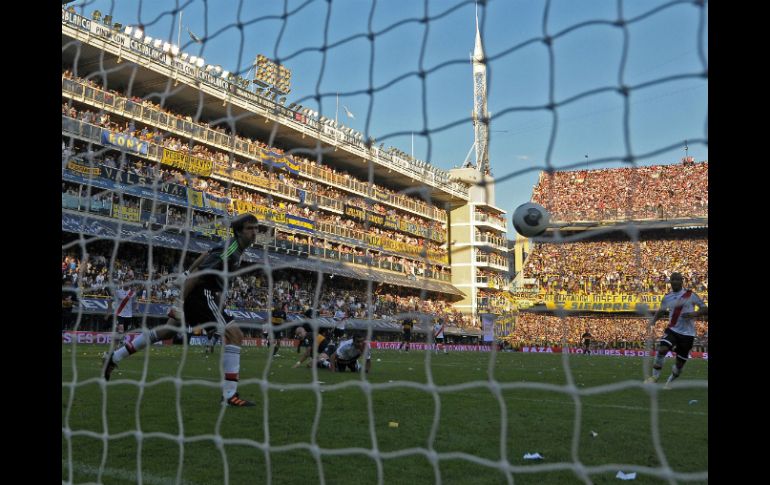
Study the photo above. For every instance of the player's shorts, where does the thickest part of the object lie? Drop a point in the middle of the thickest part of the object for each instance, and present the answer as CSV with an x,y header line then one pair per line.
x,y
440,340
202,307
586,343
406,336
126,321
306,342
678,342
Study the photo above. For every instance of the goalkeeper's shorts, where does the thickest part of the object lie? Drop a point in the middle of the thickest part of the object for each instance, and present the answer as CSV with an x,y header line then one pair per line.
x,y
201,307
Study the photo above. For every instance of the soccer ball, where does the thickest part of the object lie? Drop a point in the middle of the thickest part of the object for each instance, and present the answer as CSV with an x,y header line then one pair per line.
x,y
530,219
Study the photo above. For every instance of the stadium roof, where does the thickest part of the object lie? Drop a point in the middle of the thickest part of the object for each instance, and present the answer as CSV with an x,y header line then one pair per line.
x,y
96,226
639,224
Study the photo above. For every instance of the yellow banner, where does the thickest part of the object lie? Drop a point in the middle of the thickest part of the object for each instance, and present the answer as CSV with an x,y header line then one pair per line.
x,y
609,302
195,198
130,214
242,206
265,213
187,163
244,177
217,228
290,163
84,169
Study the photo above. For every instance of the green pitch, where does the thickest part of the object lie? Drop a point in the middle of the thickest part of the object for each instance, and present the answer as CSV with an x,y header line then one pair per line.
x,y
173,430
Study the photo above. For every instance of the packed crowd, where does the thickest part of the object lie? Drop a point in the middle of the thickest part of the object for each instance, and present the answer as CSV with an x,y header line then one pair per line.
x,y
340,298
103,119
537,329
164,174
494,301
487,277
651,192
94,278
491,258
613,265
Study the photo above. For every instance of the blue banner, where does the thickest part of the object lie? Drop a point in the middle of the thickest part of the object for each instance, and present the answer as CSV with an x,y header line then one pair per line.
x,y
128,178
296,222
137,190
277,160
125,142
160,310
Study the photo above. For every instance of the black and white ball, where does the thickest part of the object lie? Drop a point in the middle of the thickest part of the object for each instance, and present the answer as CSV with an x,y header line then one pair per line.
x,y
531,219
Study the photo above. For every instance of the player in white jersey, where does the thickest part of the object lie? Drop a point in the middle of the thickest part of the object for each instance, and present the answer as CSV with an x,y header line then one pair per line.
x,y
123,307
347,354
438,335
680,333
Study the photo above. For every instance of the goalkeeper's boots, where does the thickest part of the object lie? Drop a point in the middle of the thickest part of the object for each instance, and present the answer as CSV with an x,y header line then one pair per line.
x,y
109,366
651,380
237,402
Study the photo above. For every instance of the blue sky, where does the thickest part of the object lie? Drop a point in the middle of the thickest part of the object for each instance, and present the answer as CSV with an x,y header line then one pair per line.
x,y
663,42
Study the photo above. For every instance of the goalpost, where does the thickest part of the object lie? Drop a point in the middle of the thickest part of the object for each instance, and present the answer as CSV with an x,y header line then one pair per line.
x,y
172,125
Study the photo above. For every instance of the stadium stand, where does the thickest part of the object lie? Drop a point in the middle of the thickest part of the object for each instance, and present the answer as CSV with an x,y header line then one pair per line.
x,y
595,273
129,160
650,192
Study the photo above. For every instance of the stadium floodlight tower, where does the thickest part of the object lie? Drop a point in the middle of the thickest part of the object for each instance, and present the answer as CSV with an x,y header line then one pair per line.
x,y
479,244
274,77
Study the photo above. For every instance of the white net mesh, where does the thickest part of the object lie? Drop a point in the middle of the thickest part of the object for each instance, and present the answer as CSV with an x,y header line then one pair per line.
x,y
169,130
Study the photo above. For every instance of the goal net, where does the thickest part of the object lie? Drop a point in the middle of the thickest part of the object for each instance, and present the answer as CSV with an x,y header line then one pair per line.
x,y
382,148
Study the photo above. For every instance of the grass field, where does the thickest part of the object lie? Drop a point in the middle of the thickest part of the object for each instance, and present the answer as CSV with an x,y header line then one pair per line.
x,y
178,433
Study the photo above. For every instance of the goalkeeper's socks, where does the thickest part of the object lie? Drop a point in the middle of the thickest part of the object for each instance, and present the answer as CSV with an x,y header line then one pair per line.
x,y
232,365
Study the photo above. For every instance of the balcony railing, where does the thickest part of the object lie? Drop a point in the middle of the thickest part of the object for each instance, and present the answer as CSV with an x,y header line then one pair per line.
x,y
93,133
494,241
490,260
490,220
179,125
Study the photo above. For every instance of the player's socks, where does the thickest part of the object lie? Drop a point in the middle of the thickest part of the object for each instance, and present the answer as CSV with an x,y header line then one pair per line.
x,y
232,364
132,347
675,372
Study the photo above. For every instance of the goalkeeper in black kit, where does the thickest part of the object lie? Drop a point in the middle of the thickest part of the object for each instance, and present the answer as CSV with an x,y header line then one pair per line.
x,y
203,302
